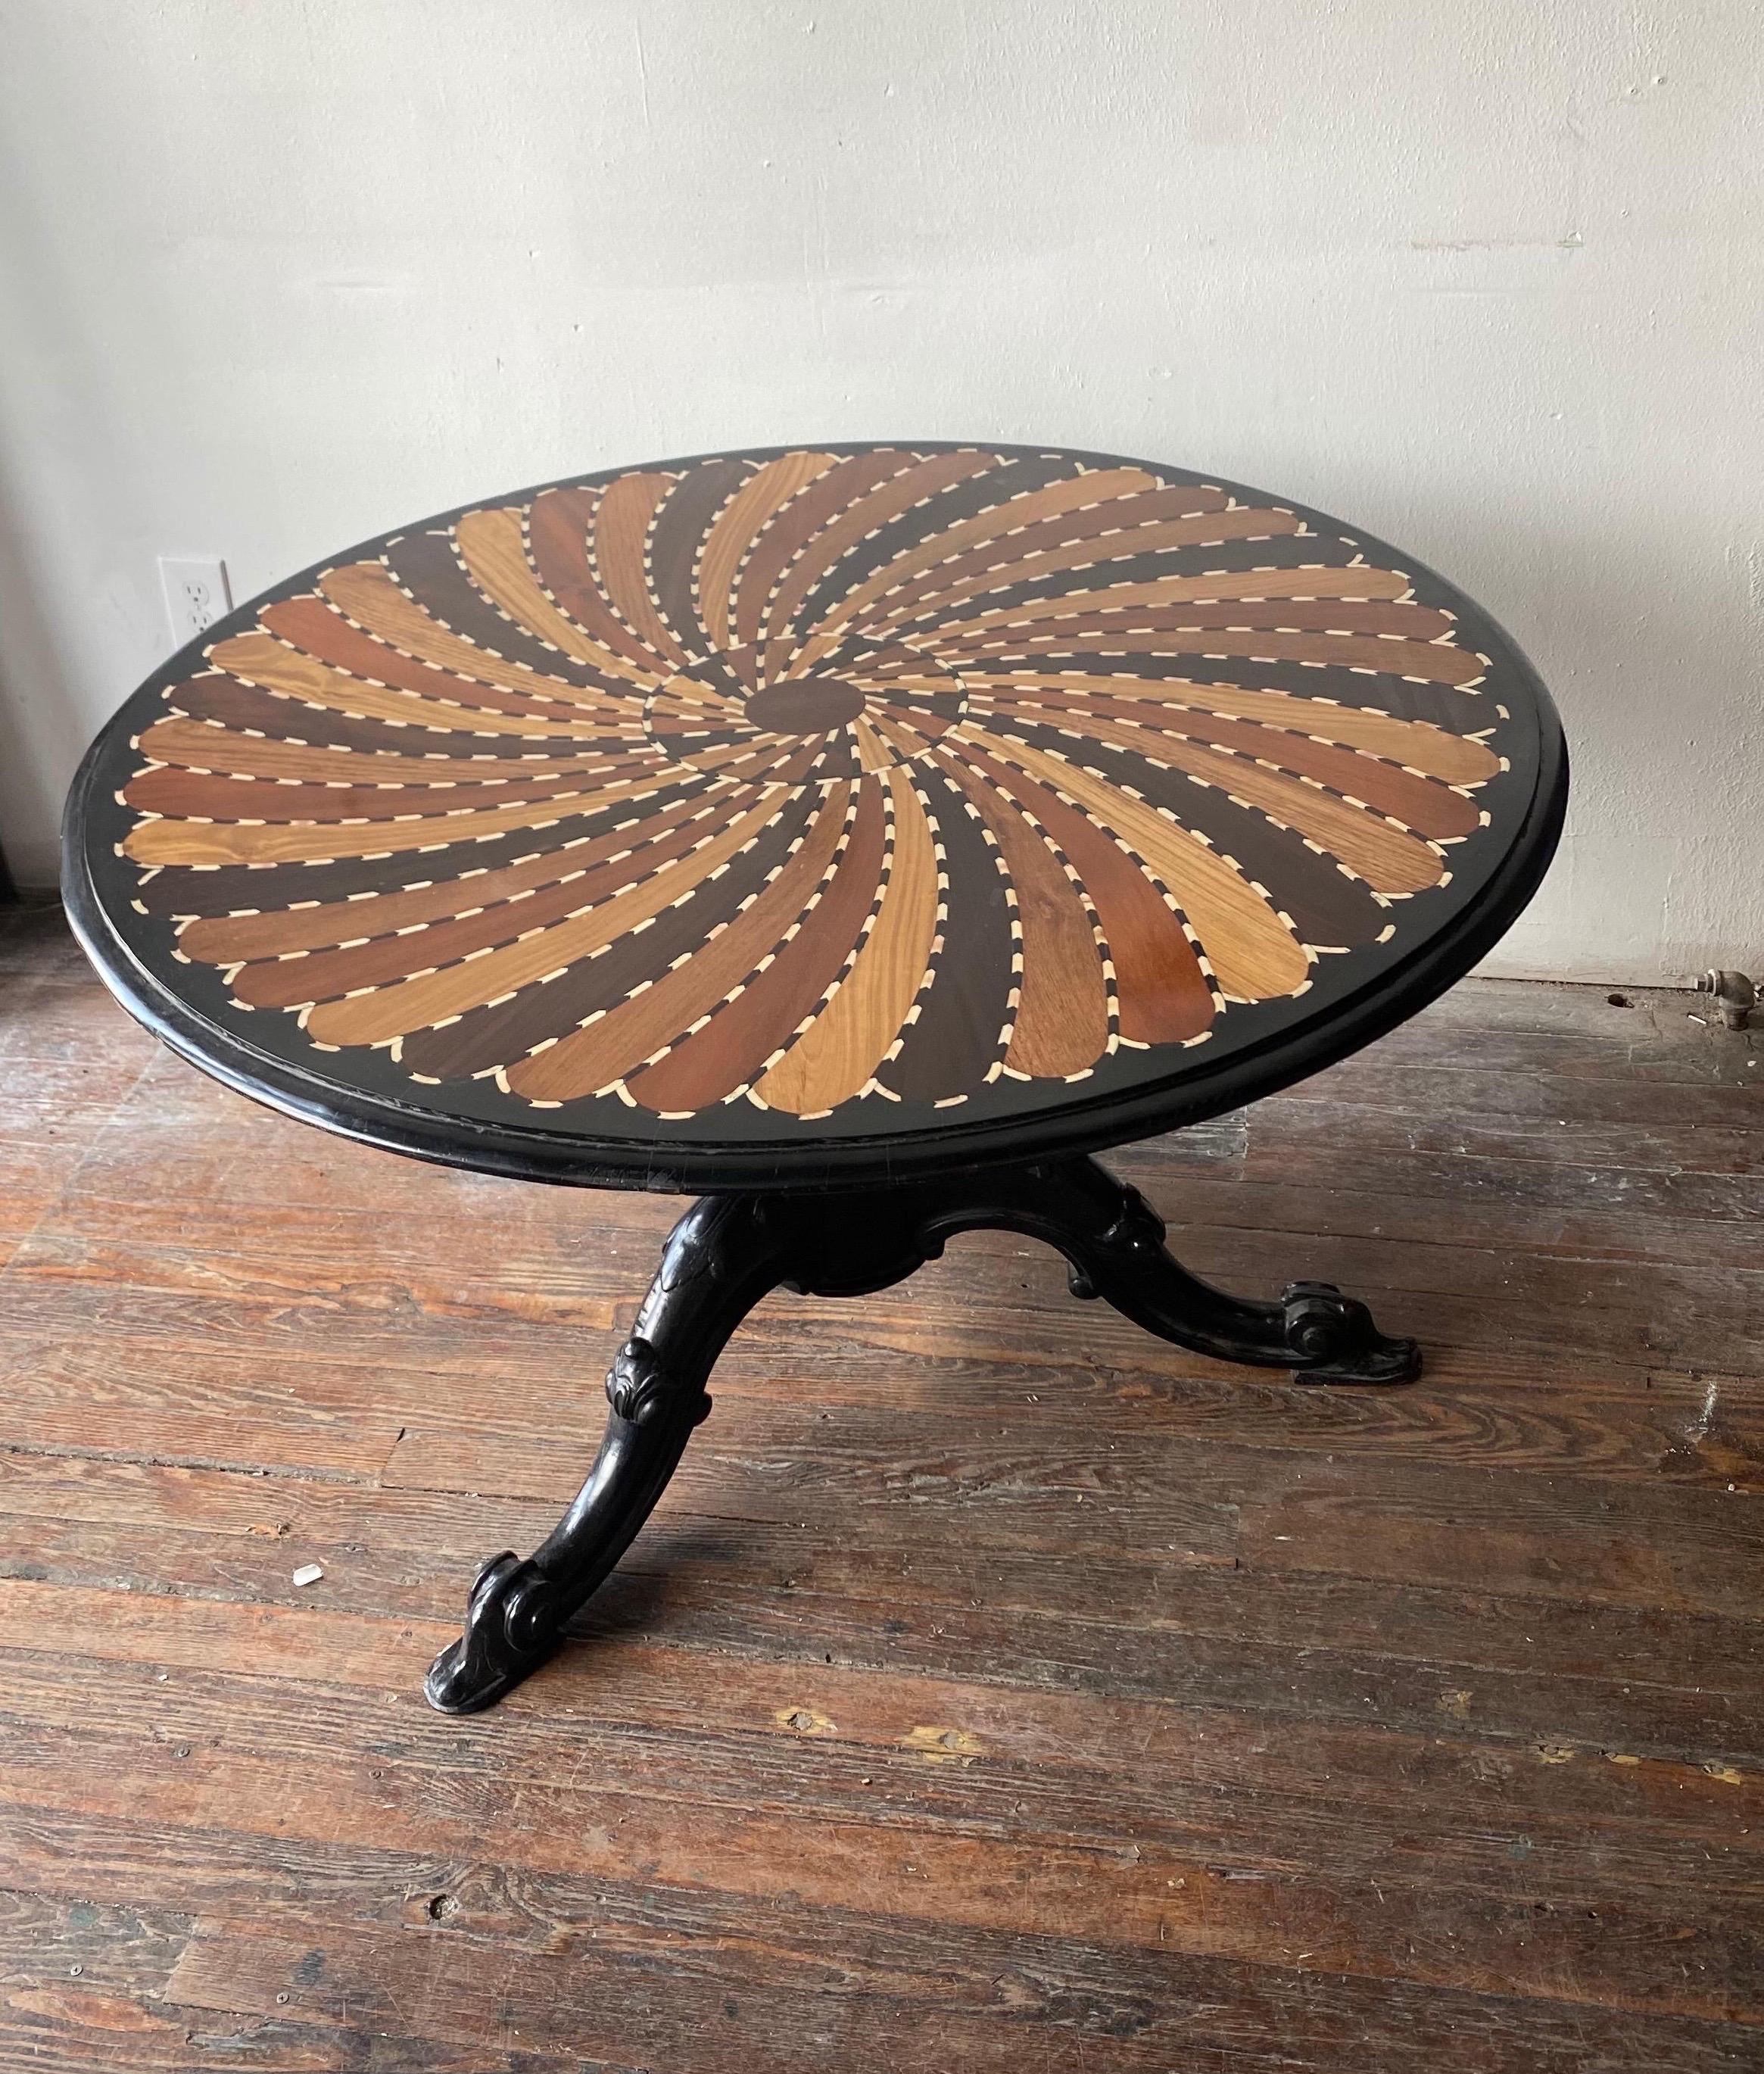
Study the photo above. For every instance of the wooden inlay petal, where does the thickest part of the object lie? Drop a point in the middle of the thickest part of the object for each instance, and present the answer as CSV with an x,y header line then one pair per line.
x,y
366,592
1061,1024
1162,995
794,984
492,546
189,744
621,548
1456,758
391,1011
683,997
433,698
835,1057
835,786
1252,950
1080,491
559,528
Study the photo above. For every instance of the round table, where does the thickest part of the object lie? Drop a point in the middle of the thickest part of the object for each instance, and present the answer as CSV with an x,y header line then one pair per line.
x,y
862,835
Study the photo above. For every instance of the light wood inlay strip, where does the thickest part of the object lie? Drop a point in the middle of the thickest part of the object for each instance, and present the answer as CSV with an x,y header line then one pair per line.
x,y
1249,948
1456,759
493,545
1094,487
839,1053
413,1004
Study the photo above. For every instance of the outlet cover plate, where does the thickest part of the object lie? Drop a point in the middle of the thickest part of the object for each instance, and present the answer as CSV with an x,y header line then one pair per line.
x,y
197,594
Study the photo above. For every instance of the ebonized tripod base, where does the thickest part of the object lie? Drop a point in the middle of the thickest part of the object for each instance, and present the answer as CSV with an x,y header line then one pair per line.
x,y
730,1250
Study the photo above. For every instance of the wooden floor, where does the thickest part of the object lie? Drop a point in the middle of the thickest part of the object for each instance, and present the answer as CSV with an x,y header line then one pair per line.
x,y
997,1688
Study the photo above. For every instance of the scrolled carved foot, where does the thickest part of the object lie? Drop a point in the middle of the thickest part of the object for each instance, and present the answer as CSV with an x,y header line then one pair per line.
x,y
509,1630
1331,1338
518,1610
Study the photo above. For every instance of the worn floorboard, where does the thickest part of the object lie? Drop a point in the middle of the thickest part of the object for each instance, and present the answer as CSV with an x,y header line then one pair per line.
x,y
996,1687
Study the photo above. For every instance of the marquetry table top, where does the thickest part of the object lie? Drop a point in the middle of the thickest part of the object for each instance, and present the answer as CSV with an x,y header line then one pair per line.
x,y
819,812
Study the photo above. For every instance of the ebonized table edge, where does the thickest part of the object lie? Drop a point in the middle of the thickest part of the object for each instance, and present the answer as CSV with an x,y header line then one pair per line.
x,y
683,1168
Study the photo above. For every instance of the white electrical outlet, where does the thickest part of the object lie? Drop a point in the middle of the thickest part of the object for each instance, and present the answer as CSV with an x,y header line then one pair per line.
x,y
196,595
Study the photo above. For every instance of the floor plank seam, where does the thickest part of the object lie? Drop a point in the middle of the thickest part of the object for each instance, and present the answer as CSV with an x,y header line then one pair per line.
x,y
272,1472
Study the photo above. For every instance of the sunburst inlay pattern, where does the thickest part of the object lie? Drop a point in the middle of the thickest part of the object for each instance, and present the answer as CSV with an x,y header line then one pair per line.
x,y
816,782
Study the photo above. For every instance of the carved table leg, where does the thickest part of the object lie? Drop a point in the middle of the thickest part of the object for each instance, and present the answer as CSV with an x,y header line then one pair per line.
x,y
727,1251
1113,1240
717,1265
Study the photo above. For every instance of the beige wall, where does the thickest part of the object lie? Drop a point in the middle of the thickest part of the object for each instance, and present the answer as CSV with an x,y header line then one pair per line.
x,y
1483,276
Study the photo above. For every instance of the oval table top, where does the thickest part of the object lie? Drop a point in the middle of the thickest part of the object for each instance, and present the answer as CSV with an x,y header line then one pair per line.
x,y
800,816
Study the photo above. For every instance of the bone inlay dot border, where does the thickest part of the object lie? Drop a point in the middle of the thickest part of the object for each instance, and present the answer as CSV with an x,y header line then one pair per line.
x,y
820,792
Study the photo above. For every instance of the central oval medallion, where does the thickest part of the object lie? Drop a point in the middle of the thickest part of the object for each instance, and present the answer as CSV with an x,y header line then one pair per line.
x,y
806,705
